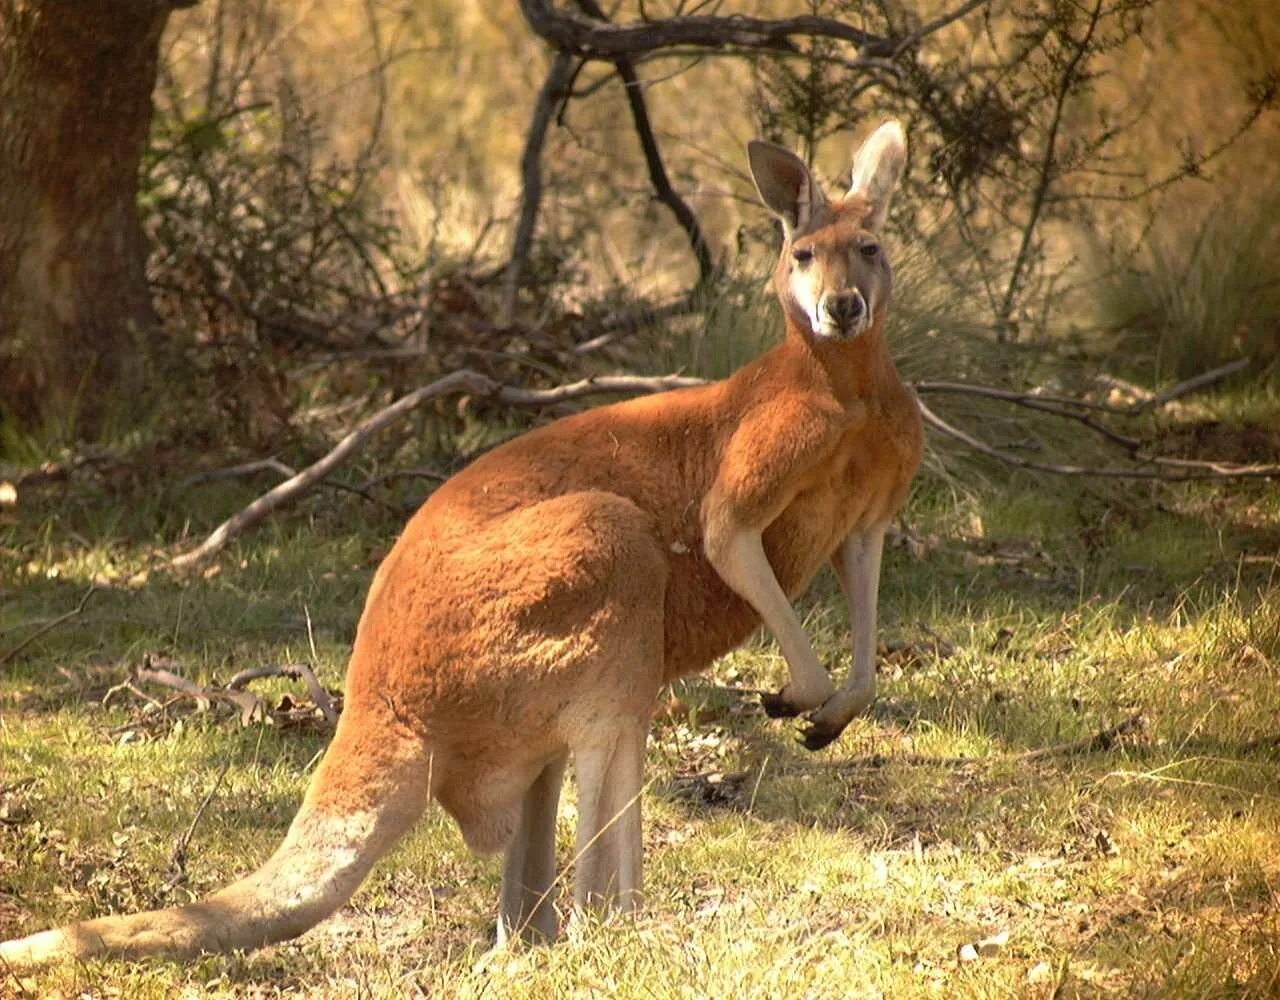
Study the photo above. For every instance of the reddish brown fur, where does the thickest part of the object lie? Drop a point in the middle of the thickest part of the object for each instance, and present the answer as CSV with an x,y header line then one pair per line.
x,y
540,599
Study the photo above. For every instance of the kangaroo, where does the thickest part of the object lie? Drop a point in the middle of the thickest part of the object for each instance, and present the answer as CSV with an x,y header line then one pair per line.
x,y
538,602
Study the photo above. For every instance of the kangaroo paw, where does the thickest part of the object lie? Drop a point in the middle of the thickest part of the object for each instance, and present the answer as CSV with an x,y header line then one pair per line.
x,y
776,706
815,737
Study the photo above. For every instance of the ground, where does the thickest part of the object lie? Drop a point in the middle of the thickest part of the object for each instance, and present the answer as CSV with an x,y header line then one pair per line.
x,y
1021,618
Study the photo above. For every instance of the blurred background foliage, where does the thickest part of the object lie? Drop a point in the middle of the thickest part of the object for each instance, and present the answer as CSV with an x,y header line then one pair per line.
x,y
331,188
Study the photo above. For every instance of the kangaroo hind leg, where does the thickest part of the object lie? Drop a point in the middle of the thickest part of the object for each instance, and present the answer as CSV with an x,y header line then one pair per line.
x,y
610,781
527,907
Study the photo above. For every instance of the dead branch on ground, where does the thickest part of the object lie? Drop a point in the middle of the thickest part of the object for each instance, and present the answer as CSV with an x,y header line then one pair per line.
x,y
49,626
178,856
463,381
156,671
293,671
473,383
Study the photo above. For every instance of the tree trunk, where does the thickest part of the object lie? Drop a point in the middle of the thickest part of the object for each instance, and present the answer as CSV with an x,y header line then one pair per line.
x,y
76,320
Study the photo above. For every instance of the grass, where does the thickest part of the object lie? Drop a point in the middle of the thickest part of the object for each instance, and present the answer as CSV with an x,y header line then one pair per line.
x,y
1150,868
1203,290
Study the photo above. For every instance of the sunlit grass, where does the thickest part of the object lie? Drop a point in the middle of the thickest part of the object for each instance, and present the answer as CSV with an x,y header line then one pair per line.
x,y
1150,868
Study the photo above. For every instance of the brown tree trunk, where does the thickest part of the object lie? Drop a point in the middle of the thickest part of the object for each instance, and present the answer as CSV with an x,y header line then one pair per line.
x,y
76,321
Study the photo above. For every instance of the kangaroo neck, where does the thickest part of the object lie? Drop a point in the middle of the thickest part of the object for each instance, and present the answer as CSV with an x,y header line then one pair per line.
x,y
851,369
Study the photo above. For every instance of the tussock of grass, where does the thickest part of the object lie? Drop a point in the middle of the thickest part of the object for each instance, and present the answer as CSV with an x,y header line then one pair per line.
x,y
1148,869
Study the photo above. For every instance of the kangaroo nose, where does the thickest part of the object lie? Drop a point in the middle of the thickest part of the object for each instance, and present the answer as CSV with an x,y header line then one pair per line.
x,y
845,307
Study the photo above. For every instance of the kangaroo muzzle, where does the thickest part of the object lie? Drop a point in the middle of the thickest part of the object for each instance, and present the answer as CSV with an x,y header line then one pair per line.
x,y
843,315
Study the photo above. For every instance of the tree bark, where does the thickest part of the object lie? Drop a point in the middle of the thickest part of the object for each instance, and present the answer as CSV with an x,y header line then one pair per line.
x,y
76,319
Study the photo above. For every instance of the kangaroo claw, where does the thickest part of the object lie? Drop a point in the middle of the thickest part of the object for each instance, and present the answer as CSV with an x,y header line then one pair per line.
x,y
776,706
815,737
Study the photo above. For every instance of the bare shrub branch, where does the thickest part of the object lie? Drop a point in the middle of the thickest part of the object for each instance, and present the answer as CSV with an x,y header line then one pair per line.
x,y
464,381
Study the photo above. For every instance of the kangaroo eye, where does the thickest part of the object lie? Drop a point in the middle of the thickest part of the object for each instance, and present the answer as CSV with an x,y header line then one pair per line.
x,y
869,250
802,255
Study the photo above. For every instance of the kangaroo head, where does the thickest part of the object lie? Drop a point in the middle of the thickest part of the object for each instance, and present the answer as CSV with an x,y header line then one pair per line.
x,y
833,276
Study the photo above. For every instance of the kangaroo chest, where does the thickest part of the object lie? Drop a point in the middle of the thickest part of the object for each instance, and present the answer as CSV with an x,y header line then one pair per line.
x,y
863,483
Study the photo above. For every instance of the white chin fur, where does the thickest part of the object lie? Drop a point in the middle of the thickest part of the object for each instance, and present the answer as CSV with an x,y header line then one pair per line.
x,y
831,331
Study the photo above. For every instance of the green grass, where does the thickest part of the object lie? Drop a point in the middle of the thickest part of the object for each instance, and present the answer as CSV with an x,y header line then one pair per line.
x,y
1203,290
1149,868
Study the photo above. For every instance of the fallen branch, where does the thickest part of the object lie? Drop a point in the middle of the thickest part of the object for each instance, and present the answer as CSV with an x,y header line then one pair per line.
x,y
1101,741
468,381
237,471
249,704
293,671
1195,470
463,381
49,626
1059,404
1195,384
609,330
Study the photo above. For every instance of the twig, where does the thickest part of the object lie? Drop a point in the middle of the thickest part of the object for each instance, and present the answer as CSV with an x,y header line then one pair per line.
x,y
236,471
248,702
1196,470
1103,740
293,671
16,786
49,626
178,857
554,89
1046,173
1100,741
610,329
462,381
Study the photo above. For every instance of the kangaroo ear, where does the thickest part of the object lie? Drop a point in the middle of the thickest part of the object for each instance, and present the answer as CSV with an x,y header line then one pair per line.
x,y
877,167
784,184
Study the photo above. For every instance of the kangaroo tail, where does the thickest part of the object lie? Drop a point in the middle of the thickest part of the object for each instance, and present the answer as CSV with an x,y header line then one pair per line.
x,y
370,788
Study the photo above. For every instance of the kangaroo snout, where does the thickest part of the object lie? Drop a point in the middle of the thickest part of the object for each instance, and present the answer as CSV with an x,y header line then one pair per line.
x,y
845,311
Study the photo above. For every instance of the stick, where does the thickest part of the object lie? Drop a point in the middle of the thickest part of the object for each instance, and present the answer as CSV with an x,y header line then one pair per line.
x,y
293,671
248,702
49,626
1197,470
1101,740
178,857
464,380
1192,385
467,381
236,471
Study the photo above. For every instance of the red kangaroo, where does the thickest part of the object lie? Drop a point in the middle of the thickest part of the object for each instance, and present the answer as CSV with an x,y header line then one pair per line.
x,y
540,600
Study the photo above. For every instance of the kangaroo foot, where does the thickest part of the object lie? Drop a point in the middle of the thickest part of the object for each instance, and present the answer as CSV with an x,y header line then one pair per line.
x,y
776,706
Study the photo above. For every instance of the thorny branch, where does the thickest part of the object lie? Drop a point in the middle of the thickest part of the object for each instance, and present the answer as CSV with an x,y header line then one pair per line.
x,y
466,381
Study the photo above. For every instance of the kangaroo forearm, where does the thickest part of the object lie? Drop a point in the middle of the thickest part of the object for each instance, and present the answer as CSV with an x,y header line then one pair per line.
x,y
738,556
